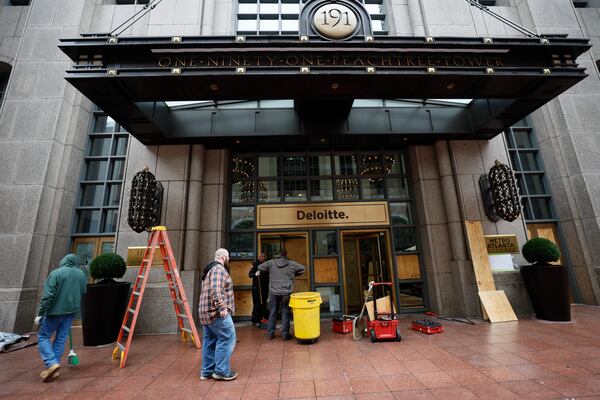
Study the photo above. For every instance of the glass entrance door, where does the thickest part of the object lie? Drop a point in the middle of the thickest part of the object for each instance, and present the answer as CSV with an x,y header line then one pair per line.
x,y
296,244
366,258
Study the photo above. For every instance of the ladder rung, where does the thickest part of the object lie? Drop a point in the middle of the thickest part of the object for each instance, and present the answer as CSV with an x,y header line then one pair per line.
x,y
141,276
186,330
120,346
131,310
177,301
126,329
182,316
136,293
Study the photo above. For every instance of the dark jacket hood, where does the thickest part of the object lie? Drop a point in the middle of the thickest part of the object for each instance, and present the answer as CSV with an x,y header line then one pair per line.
x,y
70,260
281,262
209,267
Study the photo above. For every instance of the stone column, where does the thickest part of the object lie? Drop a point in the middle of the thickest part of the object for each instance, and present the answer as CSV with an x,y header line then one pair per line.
x,y
43,125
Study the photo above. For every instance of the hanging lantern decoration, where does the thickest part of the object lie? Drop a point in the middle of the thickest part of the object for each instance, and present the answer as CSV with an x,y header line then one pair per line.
x,y
374,164
145,199
505,192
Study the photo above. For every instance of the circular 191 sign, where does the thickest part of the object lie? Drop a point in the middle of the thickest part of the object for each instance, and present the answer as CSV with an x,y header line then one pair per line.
x,y
335,21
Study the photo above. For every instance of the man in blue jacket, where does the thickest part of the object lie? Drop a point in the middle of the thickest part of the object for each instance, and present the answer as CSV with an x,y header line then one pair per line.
x,y
61,301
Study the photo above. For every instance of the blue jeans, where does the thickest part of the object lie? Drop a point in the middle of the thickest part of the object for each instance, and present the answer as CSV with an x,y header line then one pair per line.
x,y
218,341
275,300
61,324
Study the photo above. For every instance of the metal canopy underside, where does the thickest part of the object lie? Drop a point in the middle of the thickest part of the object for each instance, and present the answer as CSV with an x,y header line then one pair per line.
x,y
507,79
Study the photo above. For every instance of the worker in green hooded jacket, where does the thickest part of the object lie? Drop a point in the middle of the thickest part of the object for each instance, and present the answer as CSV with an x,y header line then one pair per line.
x,y
60,303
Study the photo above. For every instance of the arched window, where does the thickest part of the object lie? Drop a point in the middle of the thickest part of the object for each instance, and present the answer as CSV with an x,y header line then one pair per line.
x,y
4,74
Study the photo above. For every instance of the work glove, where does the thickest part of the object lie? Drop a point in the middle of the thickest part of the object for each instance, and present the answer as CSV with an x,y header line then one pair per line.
x,y
37,320
257,273
223,313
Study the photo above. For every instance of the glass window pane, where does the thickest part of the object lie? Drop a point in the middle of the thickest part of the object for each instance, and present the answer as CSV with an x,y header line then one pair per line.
x,y
377,25
269,25
535,183
369,164
247,25
91,195
372,189
294,190
113,197
514,161
242,168
268,166
86,252
398,166
88,221
325,243
331,299
405,239
247,8
241,244
268,192
321,190
96,170
529,161
411,295
289,25
320,166
100,146
294,166
290,8
269,8
117,168
242,192
509,140
374,8
120,146
104,123
400,213
242,218
397,188
345,165
108,247
110,220
541,207
526,209
523,138
346,189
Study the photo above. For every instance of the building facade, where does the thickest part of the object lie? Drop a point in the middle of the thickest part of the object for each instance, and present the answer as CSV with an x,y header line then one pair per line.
x,y
66,165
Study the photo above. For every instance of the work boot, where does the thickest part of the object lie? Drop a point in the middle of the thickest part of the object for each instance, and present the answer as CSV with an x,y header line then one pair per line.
x,y
287,337
270,336
50,373
226,377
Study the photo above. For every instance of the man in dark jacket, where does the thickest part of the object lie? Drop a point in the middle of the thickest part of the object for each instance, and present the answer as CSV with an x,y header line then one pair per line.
x,y
61,301
260,291
281,284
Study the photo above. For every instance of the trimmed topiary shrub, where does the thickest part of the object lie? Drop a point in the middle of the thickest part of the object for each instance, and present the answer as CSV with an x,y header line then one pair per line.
x,y
107,266
540,251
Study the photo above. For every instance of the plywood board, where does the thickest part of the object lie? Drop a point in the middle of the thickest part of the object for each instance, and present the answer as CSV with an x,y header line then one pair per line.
x,y
497,307
326,270
239,272
243,302
479,256
408,266
384,305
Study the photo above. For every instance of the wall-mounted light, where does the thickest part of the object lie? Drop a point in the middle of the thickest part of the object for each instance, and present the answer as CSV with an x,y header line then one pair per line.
x,y
369,39
304,70
240,39
546,71
429,39
370,70
450,86
335,85
488,40
489,71
240,70
303,39
176,39
112,72
431,70
214,87
500,193
175,71
113,40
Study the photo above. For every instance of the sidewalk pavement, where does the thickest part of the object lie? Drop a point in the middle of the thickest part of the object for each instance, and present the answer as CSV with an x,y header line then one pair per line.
x,y
528,359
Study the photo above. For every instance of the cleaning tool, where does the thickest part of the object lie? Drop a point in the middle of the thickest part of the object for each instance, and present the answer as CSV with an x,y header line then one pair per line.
x,y
72,358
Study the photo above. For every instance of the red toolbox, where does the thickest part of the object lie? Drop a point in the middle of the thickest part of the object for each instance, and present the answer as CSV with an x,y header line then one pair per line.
x,y
427,326
342,325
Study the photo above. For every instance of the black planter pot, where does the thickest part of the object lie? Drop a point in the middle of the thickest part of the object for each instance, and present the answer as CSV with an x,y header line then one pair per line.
x,y
548,288
102,312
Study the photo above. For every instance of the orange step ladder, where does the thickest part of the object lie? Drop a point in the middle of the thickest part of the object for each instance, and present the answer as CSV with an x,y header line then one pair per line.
x,y
158,238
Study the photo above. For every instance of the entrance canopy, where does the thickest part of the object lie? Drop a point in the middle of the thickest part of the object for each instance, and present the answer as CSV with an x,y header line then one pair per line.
x,y
499,81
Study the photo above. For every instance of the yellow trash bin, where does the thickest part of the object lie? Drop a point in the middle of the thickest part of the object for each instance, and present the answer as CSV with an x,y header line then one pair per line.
x,y
306,310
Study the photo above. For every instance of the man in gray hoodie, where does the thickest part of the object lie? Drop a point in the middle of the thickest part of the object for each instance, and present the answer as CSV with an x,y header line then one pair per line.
x,y
281,284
